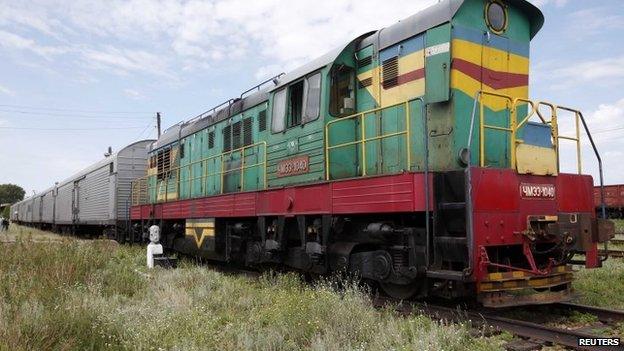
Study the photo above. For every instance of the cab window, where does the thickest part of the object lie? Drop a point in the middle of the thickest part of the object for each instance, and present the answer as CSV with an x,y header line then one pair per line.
x,y
279,111
342,99
313,98
297,104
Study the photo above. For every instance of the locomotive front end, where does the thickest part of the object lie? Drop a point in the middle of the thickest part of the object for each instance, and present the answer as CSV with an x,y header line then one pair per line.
x,y
527,221
529,231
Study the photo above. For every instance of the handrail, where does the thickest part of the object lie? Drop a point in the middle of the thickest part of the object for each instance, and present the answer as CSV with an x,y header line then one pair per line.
x,y
514,125
168,175
259,85
207,113
407,132
363,139
483,127
556,136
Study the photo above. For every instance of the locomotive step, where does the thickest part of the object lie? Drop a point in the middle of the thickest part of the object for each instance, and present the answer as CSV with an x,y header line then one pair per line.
x,y
452,205
452,240
446,274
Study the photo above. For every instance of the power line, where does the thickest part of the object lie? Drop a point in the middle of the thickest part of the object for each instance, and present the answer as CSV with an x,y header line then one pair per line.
x,y
606,130
71,110
143,131
71,129
34,113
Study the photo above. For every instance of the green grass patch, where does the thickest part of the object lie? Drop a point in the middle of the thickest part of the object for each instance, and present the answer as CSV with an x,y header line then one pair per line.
x,y
602,286
619,225
71,294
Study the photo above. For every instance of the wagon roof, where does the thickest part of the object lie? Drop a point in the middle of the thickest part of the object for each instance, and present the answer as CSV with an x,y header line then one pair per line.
x,y
98,164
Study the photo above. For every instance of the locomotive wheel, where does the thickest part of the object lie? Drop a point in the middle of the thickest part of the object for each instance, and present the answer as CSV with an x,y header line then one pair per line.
x,y
400,291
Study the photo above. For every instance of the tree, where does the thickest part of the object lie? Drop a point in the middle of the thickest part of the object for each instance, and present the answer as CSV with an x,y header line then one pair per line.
x,y
6,212
11,193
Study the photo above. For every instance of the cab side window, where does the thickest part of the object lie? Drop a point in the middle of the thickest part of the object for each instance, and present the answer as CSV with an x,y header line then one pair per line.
x,y
313,98
342,98
279,111
297,104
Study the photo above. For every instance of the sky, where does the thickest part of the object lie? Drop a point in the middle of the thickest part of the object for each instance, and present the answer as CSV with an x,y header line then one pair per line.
x,y
79,76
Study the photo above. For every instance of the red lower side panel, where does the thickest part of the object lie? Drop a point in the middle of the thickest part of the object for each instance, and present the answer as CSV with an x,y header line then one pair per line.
x,y
383,194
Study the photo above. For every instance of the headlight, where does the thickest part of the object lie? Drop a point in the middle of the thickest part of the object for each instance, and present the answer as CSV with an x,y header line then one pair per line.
x,y
496,16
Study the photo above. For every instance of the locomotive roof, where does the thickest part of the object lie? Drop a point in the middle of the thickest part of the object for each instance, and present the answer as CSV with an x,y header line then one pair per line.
x,y
210,117
430,17
438,14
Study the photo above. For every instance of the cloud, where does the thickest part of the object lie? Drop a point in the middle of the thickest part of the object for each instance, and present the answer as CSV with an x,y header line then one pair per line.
x,y
595,20
134,94
123,61
6,91
187,35
608,120
10,40
557,3
606,71
606,124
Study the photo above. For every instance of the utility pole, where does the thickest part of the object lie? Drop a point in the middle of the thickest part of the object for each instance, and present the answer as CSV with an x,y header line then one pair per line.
x,y
158,123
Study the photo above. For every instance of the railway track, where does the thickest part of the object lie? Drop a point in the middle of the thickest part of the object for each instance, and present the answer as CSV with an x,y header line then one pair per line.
x,y
535,332
612,253
603,314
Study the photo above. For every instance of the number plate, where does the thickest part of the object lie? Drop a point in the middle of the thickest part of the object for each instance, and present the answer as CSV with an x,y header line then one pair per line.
x,y
293,166
537,191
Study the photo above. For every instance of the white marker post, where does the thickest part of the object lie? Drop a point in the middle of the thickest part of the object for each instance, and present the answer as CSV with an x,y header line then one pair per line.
x,y
154,247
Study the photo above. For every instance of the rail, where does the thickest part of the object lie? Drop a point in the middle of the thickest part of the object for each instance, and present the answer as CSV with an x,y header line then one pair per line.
x,y
492,319
145,191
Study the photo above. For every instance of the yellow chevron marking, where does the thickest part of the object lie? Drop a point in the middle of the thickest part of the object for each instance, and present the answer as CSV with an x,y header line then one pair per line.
x,y
498,60
470,86
200,229
472,52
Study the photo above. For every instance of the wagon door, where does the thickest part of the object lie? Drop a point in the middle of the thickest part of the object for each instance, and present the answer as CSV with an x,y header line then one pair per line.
x,y
75,202
41,209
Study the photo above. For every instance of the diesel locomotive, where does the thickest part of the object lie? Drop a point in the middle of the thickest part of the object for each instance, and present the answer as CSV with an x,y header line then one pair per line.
x,y
410,156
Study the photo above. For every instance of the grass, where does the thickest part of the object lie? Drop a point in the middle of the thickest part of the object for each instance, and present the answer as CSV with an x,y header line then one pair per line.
x,y
603,286
71,294
619,225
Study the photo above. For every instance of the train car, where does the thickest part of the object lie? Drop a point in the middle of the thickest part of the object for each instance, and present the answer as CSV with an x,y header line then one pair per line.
x,y
613,200
95,200
410,156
